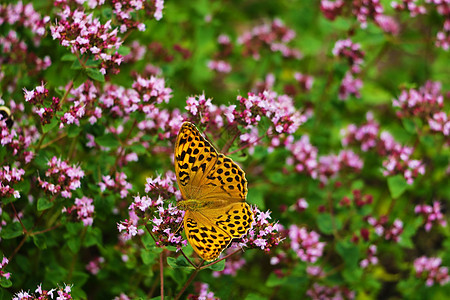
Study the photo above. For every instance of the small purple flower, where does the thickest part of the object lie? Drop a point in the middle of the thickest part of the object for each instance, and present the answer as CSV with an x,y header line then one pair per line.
x,y
432,215
430,269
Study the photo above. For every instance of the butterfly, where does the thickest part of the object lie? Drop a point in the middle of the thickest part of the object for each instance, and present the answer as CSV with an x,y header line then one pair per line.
x,y
5,114
214,190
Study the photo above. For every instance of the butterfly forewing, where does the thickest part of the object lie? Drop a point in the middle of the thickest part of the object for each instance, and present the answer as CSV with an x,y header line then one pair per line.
x,y
225,181
194,159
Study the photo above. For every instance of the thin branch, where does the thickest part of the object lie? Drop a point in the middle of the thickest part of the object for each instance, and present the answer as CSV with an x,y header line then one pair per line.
x,y
161,273
18,218
187,284
18,247
192,264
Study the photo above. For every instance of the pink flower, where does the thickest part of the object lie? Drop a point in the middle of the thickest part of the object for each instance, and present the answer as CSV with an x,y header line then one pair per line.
x,y
430,269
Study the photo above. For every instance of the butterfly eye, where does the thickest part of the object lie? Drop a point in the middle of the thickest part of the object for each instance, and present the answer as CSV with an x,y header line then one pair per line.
x,y
5,114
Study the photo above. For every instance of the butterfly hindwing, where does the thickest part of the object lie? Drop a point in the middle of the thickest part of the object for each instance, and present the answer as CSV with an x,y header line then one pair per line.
x,y
207,240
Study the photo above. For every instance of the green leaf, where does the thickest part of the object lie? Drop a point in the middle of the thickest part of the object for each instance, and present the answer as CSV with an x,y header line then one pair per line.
x,y
107,140
92,62
124,50
5,283
325,223
179,262
48,127
274,280
349,253
219,266
68,57
397,185
253,296
74,244
409,125
149,257
11,230
40,241
93,237
43,204
73,131
79,278
148,242
95,74
76,65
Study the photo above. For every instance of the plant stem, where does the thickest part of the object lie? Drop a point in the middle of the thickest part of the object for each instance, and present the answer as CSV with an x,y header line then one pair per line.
x,y
161,271
187,284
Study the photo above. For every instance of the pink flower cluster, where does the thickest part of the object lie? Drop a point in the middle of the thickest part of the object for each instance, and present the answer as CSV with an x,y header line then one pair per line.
x,y
40,294
84,210
305,160
4,262
219,63
351,52
25,15
118,184
124,11
304,81
427,103
220,66
303,155
430,268
17,143
411,6
163,186
36,97
382,228
94,265
168,219
441,6
330,165
202,292
166,224
443,36
366,134
432,214
305,244
398,158
423,102
263,234
363,10
440,123
358,199
280,110
371,259
319,292
62,178
8,177
84,34
142,97
273,36
16,51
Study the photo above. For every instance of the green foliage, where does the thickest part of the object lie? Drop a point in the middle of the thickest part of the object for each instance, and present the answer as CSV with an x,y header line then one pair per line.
x,y
125,138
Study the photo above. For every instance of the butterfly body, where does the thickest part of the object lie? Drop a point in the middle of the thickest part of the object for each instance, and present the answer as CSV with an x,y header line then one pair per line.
x,y
214,191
